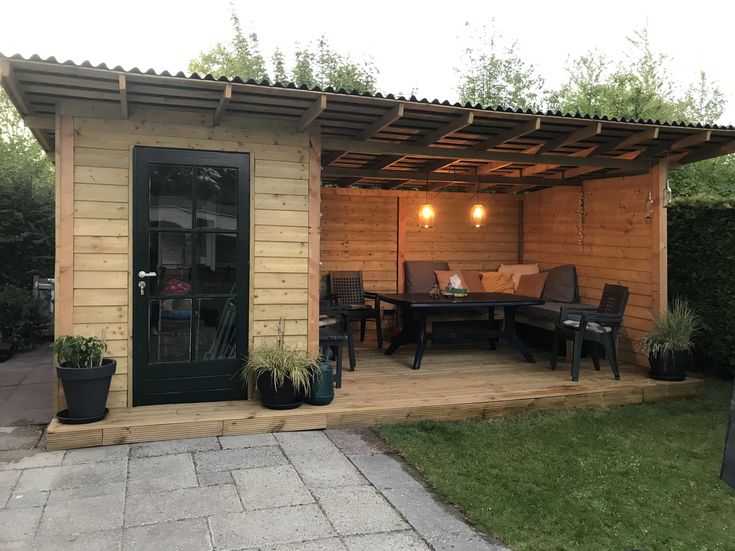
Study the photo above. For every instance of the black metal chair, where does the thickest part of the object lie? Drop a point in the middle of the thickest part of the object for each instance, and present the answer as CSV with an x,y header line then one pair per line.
x,y
347,290
600,328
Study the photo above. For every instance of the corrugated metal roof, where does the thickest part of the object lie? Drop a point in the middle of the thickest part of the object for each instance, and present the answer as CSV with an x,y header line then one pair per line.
x,y
377,95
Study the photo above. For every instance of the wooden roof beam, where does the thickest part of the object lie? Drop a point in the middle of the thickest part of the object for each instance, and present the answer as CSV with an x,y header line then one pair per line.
x,y
316,109
629,141
713,150
224,101
692,139
122,86
450,128
575,137
443,178
543,167
381,123
42,122
386,148
511,134
21,103
582,170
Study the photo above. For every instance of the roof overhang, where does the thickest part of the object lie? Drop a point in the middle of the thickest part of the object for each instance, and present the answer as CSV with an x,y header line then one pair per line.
x,y
375,140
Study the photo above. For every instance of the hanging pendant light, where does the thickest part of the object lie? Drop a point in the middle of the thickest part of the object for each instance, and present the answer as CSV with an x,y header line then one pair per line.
x,y
648,213
668,195
426,212
478,212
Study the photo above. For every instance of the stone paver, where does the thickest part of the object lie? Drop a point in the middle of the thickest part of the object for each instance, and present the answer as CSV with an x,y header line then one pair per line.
x,y
248,441
82,510
19,524
335,490
26,389
240,458
170,447
395,541
181,504
269,527
181,535
359,510
165,472
268,487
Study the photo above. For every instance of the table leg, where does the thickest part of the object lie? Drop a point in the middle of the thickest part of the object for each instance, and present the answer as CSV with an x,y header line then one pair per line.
x,y
422,338
509,333
407,332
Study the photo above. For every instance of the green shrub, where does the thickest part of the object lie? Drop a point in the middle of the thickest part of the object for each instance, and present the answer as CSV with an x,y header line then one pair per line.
x,y
702,271
21,321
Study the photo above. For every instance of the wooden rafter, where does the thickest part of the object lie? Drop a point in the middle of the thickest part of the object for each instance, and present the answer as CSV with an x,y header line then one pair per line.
x,y
583,170
386,148
712,150
627,142
312,113
543,167
492,167
20,101
42,122
224,101
442,177
382,123
514,133
575,137
451,127
692,139
122,86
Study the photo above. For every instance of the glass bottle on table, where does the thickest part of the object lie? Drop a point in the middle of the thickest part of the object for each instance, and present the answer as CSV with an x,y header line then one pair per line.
x,y
435,292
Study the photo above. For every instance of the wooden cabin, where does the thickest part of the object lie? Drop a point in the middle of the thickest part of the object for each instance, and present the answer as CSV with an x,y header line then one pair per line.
x,y
248,194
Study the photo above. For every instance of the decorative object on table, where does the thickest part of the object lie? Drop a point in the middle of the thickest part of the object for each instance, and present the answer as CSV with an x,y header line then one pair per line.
x,y
599,328
321,392
347,289
282,375
669,343
435,291
460,292
449,281
85,376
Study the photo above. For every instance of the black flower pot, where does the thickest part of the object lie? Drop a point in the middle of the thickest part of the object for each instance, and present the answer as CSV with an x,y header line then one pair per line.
x,y
670,367
283,397
85,390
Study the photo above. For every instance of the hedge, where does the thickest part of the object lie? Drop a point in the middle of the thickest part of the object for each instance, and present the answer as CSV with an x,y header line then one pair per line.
x,y
702,270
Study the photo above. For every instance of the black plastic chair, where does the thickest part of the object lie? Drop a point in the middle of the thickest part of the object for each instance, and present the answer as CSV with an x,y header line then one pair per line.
x,y
347,290
598,327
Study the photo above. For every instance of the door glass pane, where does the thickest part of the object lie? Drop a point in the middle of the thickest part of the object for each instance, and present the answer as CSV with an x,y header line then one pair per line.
x,y
216,197
216,262
216,324
170,196
170,258
170,330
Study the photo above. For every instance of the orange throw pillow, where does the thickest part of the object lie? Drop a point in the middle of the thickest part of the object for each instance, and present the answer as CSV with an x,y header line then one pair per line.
x,y
443,276
497,282
517,270
473,281
532,285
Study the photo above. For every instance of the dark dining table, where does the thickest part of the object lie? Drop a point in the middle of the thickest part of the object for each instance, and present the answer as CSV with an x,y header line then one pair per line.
x,y
415,309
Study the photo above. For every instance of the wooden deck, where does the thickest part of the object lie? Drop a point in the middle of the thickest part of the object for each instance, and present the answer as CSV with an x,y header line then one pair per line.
x,y
452,384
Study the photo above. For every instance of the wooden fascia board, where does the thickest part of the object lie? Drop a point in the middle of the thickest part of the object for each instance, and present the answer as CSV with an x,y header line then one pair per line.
x,y
514,133
224,101
316,109
381,123
123,87
463,121
393,149
575,137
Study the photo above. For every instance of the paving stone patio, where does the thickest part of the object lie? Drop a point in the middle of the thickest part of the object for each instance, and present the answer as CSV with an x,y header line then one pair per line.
x,y
26,388
300,491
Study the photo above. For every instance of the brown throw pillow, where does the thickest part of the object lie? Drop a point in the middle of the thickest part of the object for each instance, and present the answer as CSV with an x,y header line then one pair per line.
x,y
420,274
531,285
517,270
443,276
473,281
497,282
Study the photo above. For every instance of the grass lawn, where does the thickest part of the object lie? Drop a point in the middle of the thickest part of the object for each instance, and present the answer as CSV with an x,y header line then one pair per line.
x,y
628,477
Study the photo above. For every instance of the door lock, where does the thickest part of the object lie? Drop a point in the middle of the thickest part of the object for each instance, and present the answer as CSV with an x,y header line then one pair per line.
x,y
141,286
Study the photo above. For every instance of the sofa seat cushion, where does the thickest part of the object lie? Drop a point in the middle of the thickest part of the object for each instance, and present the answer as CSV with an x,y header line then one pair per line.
x,y
420,276
543,312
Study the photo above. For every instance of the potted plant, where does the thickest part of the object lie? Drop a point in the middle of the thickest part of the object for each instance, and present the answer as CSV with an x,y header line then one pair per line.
x,y
283,375
85,376
669,343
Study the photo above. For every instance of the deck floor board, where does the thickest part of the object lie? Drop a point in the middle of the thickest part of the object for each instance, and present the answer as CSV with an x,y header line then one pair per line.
x,y
452,384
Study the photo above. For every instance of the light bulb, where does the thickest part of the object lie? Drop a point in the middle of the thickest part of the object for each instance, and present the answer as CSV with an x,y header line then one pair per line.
x,y
426,216
478,215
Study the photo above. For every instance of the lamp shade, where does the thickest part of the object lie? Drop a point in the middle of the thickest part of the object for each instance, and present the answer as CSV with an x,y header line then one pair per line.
x,y
426,216
478,215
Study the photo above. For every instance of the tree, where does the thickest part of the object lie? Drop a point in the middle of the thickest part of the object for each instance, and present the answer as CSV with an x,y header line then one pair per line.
x,y
240,58
26,202
279,67
495,75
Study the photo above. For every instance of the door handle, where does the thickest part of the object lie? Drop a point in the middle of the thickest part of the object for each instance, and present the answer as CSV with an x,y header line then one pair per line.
x,y
142,274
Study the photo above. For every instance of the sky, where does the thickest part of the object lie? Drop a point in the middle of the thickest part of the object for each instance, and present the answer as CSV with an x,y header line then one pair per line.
x,y
415,45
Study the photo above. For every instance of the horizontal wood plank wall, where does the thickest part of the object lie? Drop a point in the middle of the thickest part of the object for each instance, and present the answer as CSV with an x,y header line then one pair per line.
x,y
617,245
103,236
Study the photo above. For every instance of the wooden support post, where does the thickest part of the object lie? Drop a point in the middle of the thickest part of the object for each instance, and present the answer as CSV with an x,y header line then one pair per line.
x,y
521,201
315,180
659,237
401,248
64,268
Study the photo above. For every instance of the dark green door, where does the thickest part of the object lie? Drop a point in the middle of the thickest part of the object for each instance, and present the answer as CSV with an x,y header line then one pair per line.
x,y
190,269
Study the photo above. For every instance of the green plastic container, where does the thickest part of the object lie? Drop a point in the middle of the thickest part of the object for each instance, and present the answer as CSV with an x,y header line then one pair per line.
x,y
322,390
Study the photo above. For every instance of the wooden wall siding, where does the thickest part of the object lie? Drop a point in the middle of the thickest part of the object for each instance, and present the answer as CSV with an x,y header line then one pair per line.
x,y
102,233
617,248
